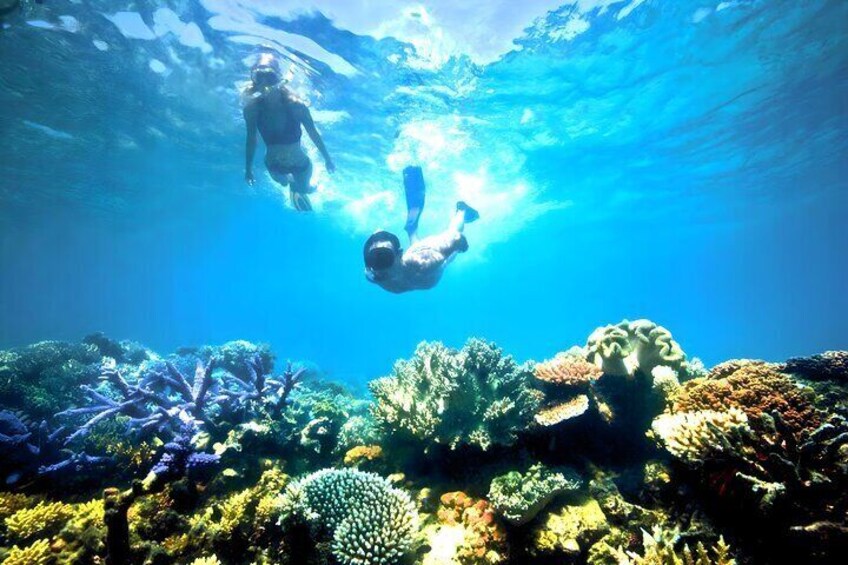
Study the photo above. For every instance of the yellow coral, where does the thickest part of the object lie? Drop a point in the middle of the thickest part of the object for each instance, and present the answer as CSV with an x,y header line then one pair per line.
x,y
36,554
553,415
40,519
659,550
362,453
11,502
234,511
213,560
571,529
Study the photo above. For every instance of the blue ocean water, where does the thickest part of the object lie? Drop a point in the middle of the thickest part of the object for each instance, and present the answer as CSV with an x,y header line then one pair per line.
x,y
681,161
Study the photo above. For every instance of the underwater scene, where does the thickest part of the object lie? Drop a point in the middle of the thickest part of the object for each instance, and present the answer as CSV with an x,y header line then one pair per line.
x,y
423,282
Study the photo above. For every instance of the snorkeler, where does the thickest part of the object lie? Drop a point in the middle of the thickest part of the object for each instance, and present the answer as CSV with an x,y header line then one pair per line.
x,y
278,116
421,266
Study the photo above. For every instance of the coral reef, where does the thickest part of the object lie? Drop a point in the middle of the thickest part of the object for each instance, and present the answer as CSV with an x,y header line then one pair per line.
x,y
476,396
200,446
519,497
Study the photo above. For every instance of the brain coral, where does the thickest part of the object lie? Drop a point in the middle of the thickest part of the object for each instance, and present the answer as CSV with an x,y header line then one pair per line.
x,y
756,389
626,347
371,522
520,497
475,396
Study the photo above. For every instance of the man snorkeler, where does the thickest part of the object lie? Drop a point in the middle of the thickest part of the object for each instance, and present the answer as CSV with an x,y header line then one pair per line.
x,y
271,109
421,266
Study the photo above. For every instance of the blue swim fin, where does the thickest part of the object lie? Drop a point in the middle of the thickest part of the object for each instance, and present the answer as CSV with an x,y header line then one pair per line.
x,y
413,184
471,215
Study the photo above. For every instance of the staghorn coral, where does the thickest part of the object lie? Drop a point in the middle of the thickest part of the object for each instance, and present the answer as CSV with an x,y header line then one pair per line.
x,y
696,436
756,389
627,347
370,522
659,549
557,413
38,553
466,533
828,365
43,520
475,396
11,502
567,369
571,530
520,497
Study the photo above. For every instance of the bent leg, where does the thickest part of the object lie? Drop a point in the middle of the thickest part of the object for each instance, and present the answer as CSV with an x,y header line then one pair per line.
x,y
301,187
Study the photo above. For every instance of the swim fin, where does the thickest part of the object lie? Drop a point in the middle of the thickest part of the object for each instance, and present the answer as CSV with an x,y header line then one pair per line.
x,y
413,184
471,215
300,202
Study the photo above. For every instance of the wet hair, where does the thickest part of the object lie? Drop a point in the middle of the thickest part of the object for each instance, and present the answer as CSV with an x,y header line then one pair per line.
x,y
380,258
266,70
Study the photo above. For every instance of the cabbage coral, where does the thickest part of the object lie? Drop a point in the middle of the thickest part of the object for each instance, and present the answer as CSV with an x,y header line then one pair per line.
x,y
370,522
695,436
520,497
626,347
475,396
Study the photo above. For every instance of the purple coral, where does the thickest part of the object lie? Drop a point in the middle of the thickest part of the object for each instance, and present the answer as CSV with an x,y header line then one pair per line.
x,y
181,460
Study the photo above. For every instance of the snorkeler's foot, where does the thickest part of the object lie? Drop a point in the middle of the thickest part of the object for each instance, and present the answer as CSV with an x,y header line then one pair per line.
x,y
470,213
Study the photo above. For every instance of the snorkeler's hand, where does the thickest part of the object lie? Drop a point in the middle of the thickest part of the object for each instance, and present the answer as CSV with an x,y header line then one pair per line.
x,y
248,178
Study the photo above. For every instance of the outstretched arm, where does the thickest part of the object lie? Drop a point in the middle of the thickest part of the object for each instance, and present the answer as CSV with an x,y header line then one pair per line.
x,y
309,126
249,113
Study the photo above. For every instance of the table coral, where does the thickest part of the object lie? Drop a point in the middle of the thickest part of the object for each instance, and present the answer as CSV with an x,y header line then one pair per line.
x,y
756,389
567,369
519,497
476,396
570,530
557,413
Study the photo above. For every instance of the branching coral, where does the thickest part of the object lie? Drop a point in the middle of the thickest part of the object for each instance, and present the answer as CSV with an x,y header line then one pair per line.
x,y
626,347
36,554
370,522
43,520
475,396
697,436
467,533
520,497
659,549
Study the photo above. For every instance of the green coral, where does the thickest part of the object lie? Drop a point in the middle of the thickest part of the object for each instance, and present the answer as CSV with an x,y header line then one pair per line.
x,y
45,378
475,396
627,347
520,497
370,522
